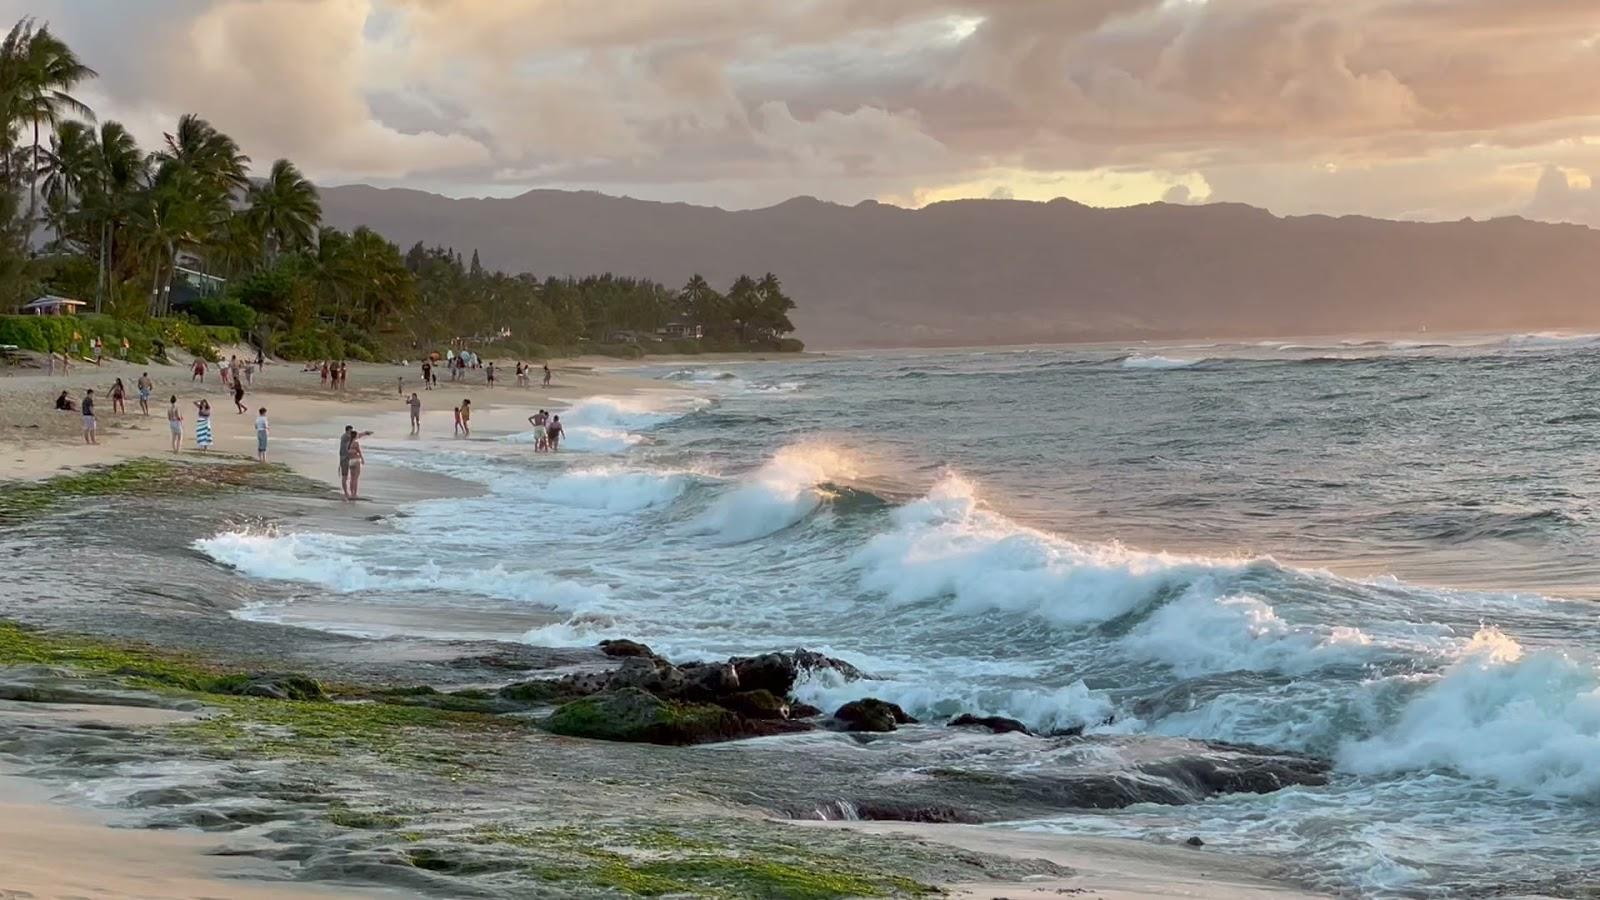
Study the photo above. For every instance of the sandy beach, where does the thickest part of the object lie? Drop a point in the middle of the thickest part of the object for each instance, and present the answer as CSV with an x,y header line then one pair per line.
x,y
56,851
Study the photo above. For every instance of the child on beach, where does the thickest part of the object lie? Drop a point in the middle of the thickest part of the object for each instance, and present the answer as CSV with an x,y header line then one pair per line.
x,y
458,421
261,434
489,373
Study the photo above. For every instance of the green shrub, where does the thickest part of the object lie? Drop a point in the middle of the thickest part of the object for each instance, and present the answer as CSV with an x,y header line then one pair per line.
x,y
211,311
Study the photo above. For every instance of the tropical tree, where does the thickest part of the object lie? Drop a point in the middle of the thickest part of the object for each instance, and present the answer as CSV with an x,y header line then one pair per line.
x,y
284,209
121,172
37,73
219,167
773,308
174,214
69,171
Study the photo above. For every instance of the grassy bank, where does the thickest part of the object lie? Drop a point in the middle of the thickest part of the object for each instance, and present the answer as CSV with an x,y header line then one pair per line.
x,y
148,478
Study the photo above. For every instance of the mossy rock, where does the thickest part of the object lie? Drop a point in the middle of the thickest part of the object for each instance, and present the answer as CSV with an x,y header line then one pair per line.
x,y
759,704
633,715
271,687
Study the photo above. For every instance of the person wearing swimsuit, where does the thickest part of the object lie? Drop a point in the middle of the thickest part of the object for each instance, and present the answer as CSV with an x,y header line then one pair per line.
x,y
356,462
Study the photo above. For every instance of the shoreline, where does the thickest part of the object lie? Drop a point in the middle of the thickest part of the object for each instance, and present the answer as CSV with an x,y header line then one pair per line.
x,y
1155,870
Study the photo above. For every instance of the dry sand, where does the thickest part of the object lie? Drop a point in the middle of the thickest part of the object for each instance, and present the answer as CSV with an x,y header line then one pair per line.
x,y
52,851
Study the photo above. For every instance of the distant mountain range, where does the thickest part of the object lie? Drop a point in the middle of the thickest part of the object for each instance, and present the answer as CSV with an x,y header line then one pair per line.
x,y
991,271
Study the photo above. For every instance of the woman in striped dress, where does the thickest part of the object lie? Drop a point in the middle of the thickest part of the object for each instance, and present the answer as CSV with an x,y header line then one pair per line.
x,y
202,425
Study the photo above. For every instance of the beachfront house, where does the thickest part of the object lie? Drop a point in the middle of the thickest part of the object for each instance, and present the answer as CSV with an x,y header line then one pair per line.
x,y
675,331
51,305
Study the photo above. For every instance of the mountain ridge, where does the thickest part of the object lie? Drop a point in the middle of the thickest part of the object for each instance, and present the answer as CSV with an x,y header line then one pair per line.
x,y
1007,271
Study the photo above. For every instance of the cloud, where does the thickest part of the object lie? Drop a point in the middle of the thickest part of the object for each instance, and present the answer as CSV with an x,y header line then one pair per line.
x,y
1434,108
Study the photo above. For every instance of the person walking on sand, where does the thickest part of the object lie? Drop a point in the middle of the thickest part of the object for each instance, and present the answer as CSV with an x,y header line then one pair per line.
x,y
119,394
261,434
145,387
87,408
546,375
238,395
416,413
202,425
427,373
175,424
466,418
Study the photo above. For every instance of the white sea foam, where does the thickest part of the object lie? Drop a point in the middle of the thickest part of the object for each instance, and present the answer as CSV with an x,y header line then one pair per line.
x,y
615,489
632,413
1072,705
334,562
1158,362
1202,632
779,494
947,545
1526,721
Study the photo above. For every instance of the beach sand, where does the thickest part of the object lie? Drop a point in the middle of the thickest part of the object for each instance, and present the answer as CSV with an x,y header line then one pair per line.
x,y
56,851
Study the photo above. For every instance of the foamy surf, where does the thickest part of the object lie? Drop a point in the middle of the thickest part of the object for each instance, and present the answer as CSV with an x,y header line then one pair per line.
x,y
776,496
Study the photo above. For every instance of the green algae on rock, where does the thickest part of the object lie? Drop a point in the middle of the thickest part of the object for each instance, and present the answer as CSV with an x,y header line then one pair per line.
x,y
146,477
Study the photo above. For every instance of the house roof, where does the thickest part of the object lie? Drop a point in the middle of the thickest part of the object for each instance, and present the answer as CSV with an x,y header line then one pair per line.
x,y
50,300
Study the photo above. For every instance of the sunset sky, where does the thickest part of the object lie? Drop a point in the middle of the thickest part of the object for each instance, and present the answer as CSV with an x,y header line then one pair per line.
x,y
1432,109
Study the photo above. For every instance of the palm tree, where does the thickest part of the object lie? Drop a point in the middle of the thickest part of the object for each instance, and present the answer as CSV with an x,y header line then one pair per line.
x,y
69,170
213,157
174,213
284,209
37,71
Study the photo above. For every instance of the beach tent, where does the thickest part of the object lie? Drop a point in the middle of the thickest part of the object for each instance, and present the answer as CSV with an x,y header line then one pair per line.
x,y
51,305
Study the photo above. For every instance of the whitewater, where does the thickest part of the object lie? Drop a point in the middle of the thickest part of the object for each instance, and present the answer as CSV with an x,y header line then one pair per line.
x,y
1379,552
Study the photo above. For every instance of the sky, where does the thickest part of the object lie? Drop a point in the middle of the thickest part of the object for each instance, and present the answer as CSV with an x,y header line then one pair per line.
x,y
1422,109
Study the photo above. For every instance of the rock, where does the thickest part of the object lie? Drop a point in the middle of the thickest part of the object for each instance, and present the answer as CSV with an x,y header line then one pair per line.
x,y
871,714
1195,842
803,711
632,714
756,705
624,647
272,687
649,674
996,724
537,691
777,672
707,681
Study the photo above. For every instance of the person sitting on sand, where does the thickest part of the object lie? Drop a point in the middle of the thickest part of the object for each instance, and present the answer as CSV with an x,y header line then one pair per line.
x,y
65,403
118,394
175,424
415,403
553,433
466,418
87,407
146,386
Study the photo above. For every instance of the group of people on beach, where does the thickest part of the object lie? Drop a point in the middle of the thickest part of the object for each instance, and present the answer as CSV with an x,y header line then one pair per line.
x,y
547,432
335,375
458,365
203,437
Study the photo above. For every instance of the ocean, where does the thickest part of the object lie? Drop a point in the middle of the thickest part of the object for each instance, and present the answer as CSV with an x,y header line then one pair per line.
x,y
1382,553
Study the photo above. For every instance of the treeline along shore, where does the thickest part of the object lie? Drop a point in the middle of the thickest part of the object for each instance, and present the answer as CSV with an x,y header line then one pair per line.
x,y
189,230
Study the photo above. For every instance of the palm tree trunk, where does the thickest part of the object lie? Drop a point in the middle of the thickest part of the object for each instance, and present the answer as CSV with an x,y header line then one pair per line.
x,y
33,184
172,270
155,291
100,274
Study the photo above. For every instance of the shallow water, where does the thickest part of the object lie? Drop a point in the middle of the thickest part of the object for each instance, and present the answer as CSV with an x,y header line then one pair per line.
x,y
1381,552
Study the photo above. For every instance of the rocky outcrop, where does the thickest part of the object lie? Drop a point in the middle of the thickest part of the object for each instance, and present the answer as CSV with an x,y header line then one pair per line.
x,y
632,714
623,648
996,724
870,714
272,687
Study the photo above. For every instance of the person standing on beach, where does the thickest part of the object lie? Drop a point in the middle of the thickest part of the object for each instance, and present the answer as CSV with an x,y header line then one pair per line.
x,y
238,395
354,460
145,387
324,373
427,373
119,393
199,371
466,418
202,425
416,413
87,407
99,350
546,375
344,460
261,434
489,374
175,424
554,432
